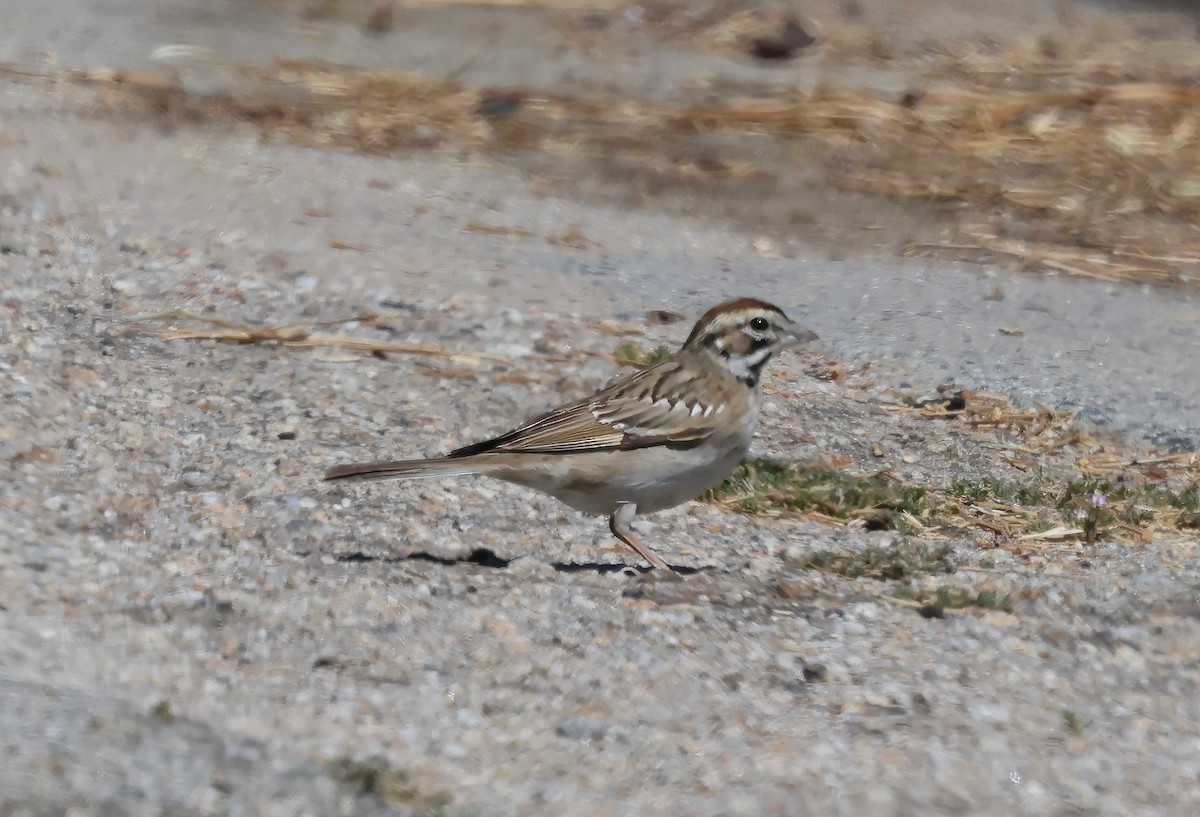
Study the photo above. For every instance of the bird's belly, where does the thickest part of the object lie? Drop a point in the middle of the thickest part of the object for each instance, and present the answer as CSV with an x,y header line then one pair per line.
x,y
651,478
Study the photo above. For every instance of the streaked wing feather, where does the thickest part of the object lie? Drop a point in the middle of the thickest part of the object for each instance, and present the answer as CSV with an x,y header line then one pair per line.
x,y
634,412
571,428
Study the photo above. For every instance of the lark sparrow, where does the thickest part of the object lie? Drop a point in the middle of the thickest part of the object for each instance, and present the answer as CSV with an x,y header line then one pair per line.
x,y
649,441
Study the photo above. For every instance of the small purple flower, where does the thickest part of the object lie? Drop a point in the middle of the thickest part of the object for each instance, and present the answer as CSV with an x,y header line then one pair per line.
x,y
1099,500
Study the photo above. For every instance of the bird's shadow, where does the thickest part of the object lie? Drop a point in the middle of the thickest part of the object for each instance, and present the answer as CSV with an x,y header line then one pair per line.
x,y
486,557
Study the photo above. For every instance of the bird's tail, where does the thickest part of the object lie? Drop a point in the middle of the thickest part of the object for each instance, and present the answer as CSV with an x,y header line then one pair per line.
x,y
408,469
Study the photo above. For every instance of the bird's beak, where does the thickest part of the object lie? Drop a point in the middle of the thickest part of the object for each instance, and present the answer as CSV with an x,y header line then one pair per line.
x,y
798,336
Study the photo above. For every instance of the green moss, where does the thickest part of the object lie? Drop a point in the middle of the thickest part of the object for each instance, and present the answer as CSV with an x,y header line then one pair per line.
x,y
1095,505
1040,524
162,712
764,485
899,562
1071,721
374,777
630,352
951,597
1034,492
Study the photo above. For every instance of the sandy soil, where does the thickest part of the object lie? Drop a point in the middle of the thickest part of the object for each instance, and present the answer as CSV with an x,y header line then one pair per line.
x,y
193,624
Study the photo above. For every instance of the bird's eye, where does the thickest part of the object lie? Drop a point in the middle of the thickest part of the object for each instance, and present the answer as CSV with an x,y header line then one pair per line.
x,y
760,324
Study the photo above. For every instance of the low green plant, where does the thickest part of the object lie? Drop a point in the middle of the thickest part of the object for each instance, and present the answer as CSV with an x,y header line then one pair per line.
x,y
1035,492
952,597
162,712
375,777
899,562
764,485
631,353
1071,721
1095,505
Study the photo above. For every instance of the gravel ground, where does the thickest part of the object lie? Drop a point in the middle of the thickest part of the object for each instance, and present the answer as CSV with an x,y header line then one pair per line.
x,y
193,624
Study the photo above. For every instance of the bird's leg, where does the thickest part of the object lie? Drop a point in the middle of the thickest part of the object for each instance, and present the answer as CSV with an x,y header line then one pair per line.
x,y
619,524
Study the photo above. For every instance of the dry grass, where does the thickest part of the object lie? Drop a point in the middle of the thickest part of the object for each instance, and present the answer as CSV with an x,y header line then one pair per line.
x,y
1071,487
1086,508
1075,173
979,410
1077,487
1021,516
294,334
764,486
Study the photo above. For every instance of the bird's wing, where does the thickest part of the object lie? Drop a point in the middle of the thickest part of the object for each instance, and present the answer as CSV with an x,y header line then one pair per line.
x,y
654,406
